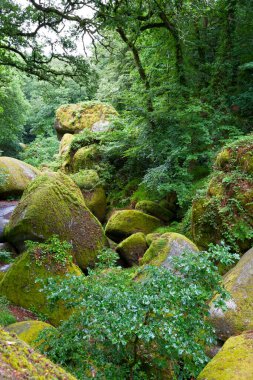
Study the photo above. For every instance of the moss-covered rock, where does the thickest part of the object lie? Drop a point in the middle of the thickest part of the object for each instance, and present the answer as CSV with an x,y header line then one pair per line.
x,y
133,248
53,204
85,158
18,176
28,331
233,361
18,361
224,209
127,222
20,286
151,237
94,195
239,314
154,209
73,118
165,247
65,144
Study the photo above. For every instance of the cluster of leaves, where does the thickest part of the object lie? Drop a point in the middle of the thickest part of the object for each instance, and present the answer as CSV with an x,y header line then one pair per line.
x,y
5,257
141,323
6,317
53,252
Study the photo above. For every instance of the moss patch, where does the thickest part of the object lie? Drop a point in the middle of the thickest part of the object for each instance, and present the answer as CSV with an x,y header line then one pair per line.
x,y
28,331
18,361
127,222
233,361
154,209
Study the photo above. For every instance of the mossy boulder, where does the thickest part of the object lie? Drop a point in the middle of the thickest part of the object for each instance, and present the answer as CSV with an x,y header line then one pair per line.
x,y
18,361
18,175
233,361
94,195
165,247
86,157
21,287
223,211
65,144
239,314
127,222
73,118
133,248
53,204
154,209
28,331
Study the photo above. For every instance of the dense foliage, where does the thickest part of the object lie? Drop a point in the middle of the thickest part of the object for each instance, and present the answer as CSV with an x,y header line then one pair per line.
x,y
141,323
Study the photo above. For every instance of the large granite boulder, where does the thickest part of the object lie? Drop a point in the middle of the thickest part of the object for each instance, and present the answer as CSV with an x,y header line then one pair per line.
x,y
17,176
233,361
132,248
29,331
20,285
53,204
127,222
239,314
166,246
223,211
18,361
73,118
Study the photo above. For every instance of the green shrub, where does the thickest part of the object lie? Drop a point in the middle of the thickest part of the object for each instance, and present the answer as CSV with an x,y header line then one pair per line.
x,y
141,328
6,317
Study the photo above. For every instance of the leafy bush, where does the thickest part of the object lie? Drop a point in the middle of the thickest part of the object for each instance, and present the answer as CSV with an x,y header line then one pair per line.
x,y
53,252
142,323
5,257
6,318
41,151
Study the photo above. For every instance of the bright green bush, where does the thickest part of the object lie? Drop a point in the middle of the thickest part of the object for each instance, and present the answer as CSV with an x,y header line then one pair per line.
x,y
141,328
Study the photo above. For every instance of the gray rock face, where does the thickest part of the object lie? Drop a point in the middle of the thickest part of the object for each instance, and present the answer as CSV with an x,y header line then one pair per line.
x,y
239,315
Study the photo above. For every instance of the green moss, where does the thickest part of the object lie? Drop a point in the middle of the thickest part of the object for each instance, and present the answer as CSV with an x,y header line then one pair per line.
x,y
223,159
86,179
154,209
73,118
65,144
233,361
20,287
94,195
53,204
85,158
19,361
133,248
127,222
18,176
29,331
239,314
166,246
